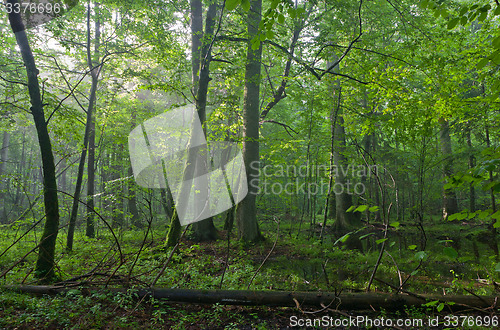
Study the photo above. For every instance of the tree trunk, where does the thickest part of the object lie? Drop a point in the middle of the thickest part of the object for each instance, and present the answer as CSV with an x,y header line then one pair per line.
x,y
132,201
343,200
450,204
493,230
4,157
248,227
196,44
203,230
343,301
116,189
4,152
472,163
94,72
44,269
90,228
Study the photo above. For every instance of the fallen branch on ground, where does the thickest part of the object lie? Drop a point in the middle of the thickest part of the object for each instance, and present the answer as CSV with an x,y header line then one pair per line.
x,y
344,301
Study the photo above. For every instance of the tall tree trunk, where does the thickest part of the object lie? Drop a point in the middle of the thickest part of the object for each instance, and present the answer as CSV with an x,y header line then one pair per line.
x,y
248,227
494,243
196,44
4,152
132,201
4,157
117,189
450,204
44,269
203,230
94,72
90,227
492,192
343,200
472,163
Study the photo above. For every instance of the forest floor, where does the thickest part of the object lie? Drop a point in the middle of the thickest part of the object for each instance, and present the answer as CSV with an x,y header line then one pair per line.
x,y
287,261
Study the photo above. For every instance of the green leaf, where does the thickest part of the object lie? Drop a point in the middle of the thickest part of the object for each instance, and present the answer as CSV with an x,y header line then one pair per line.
x,y
440,307
453,216
255,43
452,23
382,240
351,208
361,208
485,8
471,215
497,11
373,209
232,4
420,255
483,16
365,236
497,267
344,238
413,273
450,252
281,19
496,224
432,303
245,4
448,185
269,34
483,214
412,247
481,64
496,215
395,224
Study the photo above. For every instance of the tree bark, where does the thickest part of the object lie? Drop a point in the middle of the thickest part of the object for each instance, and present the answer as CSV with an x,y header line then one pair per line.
x,y
450,204
4,157
196,44
132,201
344,301
44,269
90,227
248,227
472,163
343,200
4,152
95,70
203,230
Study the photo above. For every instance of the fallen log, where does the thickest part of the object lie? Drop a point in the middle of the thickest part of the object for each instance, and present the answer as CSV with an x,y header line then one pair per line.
x,y
345,301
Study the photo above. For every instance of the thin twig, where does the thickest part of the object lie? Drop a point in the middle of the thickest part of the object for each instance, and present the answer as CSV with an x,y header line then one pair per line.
x,y
267,257
169,257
